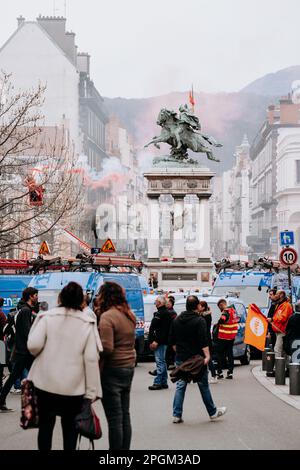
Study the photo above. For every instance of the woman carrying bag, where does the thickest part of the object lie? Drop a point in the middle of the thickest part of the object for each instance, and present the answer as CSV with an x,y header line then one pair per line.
x,y
117,330
66,346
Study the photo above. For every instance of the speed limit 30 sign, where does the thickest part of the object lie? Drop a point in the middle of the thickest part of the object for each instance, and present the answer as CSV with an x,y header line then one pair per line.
x,y
288,256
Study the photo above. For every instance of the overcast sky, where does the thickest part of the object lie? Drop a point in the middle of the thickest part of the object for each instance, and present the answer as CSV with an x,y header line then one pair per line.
x,y
143,48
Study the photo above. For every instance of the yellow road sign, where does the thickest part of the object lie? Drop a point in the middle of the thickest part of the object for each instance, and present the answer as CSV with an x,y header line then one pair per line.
x,y
44,248
108,247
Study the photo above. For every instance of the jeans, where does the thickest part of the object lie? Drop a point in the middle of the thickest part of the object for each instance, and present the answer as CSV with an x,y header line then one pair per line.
x,y
21,363
225,351
212,369
204,390
116,386
51,405
161,365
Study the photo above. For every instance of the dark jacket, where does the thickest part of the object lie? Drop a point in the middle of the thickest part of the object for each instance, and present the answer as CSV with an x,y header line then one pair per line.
x,y
23,321
173,313
190,370
189,335
160,326
208,320
2,324
292,334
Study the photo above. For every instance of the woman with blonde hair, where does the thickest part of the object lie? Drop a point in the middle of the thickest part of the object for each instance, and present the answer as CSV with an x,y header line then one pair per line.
x,y
117,331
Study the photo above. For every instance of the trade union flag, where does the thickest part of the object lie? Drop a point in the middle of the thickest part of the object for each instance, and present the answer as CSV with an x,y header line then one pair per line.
x,y
256,328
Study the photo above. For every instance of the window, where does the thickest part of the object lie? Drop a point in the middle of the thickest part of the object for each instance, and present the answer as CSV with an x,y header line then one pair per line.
x,y
298,171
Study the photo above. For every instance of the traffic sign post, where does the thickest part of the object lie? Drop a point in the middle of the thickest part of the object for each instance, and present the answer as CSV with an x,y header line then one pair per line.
x,y
287,238
288,257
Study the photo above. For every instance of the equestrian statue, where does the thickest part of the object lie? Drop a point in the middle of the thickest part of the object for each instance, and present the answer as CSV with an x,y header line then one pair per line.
x,y
182,132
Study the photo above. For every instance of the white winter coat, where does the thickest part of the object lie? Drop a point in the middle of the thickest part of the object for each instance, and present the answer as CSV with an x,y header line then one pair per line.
x,y
66,346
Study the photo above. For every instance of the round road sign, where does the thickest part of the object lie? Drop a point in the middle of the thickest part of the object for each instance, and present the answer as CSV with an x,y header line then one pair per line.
x,y
288,256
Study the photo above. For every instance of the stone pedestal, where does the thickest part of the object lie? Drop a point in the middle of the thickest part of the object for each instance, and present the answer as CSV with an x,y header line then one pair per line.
x,y
180,182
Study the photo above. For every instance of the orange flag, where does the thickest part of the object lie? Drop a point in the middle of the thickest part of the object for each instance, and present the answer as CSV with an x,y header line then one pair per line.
x,y
256,328
191,97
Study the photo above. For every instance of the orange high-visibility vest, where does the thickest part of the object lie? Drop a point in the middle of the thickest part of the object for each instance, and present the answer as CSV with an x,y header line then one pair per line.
x,y
229,329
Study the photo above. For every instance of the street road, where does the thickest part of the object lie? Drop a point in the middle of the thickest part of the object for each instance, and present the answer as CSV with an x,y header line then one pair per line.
x,y
256,419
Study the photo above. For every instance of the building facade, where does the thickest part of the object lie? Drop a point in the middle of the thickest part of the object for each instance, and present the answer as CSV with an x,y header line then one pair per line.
x,y
274,155
230,207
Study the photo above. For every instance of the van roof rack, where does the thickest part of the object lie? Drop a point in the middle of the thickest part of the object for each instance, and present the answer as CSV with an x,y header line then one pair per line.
x,y
82,263
261,264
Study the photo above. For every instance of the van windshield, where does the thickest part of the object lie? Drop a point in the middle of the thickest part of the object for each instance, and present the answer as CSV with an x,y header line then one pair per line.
x,y
248,294
49,296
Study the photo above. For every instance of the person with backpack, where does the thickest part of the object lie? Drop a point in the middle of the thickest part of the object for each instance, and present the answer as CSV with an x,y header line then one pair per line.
x,y
21,356
65,343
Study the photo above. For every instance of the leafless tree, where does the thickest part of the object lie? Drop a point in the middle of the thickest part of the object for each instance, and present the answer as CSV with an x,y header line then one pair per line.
x,y
34,159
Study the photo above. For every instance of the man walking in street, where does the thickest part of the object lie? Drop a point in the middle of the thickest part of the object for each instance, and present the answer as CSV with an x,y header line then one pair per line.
x,y
22,358
283,312
158,341
227,331
188,337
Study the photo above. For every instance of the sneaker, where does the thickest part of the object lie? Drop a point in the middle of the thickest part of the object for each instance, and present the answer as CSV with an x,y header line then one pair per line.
x,y
165,386
16,391
220,376
229,376
213,380
220,412
155,387
177,420
4,409
152,372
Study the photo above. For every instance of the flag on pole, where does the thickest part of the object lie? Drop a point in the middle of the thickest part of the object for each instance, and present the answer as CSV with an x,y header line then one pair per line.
x,y
256,328
191,98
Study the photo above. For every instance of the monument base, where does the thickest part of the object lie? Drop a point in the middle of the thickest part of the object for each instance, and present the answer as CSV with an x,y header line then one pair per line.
x,y
175,275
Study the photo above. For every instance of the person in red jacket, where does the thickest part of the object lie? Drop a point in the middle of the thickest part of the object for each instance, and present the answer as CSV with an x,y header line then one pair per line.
x,y
283,312
227,331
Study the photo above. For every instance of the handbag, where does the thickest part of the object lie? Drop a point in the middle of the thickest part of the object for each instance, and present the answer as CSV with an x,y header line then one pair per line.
x,y
87,423
29,406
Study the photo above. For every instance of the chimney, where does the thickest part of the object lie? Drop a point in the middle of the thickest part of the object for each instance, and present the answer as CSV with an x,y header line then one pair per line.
x,y
20,20
83,62
70,48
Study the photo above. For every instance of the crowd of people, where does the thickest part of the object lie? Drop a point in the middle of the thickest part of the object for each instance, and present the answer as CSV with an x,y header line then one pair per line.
x,y
73,353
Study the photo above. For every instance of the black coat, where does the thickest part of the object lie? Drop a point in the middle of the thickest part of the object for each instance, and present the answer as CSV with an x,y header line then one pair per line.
x,y
160,326
189,335
23,321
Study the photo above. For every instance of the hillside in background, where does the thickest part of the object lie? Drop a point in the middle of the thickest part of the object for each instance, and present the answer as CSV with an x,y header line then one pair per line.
x,y
278,83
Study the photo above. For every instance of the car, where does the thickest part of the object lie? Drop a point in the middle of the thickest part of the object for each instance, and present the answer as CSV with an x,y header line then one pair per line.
x,y
241,351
